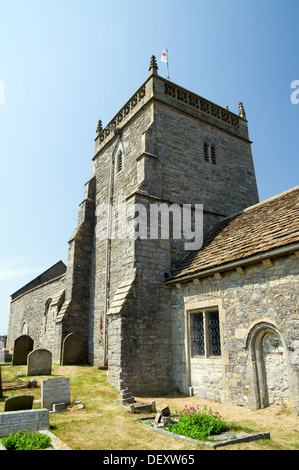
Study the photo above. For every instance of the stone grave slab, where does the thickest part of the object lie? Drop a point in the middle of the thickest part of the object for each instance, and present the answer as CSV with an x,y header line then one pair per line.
x,y
18,402
32,420
39,362
56,390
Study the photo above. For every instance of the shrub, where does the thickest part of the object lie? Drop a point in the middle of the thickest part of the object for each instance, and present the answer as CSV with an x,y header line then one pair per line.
x,y
198,424
26,441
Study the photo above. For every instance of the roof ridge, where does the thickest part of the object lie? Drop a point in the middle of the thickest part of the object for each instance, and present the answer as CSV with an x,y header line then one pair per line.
x,y
258,204
273,225
277,196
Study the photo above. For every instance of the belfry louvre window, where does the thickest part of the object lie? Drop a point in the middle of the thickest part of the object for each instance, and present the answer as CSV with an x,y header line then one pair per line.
x,y
206,152
205,333
213,155
209,153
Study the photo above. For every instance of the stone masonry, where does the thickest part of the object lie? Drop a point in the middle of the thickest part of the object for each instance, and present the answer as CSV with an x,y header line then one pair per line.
x,y
166,145
257,296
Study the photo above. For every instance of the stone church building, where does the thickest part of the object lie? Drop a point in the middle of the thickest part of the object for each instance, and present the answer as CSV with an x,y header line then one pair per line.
x,y
219,321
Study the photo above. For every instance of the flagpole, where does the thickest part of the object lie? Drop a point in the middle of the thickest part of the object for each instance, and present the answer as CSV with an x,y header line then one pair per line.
x,y
167,65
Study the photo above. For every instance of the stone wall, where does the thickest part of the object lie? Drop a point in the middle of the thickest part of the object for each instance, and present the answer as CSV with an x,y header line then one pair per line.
x,y
121,250
259,336
29,314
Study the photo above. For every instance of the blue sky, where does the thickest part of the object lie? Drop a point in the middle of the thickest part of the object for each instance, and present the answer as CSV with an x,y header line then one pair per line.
x,y
65,64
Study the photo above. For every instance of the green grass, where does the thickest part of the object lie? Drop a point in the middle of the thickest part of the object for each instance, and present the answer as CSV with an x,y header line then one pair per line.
x,y
103,424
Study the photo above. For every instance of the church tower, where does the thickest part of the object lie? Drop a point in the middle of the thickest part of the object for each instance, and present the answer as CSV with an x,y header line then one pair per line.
x,y
167,146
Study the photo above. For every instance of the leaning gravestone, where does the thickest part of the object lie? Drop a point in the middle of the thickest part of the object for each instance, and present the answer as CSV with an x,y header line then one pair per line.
x,y
18,402
55,391
22,347
39,362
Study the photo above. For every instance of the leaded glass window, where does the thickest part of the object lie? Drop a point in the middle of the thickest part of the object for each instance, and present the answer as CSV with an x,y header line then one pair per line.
x,y
205,333
214,334
198,345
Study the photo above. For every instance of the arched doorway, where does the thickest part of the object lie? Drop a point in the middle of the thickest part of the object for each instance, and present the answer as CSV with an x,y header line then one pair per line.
x,y
270,371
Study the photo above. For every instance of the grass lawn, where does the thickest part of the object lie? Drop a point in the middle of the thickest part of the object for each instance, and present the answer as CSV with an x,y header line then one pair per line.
x,y
104,425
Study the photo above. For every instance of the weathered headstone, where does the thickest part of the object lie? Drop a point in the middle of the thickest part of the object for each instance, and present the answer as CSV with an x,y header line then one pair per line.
x,y
71,350
163,410
56,390
32,420
0,384
22,347
18,402
39,362
33,383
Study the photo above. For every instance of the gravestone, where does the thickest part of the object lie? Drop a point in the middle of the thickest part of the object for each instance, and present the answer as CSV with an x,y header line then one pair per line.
x,y
22,347
39,362
32,420
0,384
18,402
71,350
55,391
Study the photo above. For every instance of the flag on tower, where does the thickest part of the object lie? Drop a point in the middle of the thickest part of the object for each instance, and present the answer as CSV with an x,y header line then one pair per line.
x,y
164,56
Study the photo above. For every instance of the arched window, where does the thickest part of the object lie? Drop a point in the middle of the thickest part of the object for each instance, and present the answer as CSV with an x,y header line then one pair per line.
x,y
47,306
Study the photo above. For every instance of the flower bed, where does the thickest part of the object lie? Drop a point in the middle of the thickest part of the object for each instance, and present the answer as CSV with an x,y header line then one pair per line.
x,y
203,427
26,441
38,440
197,424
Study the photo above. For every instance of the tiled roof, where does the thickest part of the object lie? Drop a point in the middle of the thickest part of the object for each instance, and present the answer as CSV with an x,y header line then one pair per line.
x,y
270,224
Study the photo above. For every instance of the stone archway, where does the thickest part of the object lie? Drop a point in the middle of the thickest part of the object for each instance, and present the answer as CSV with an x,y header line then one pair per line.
x,y
269,361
